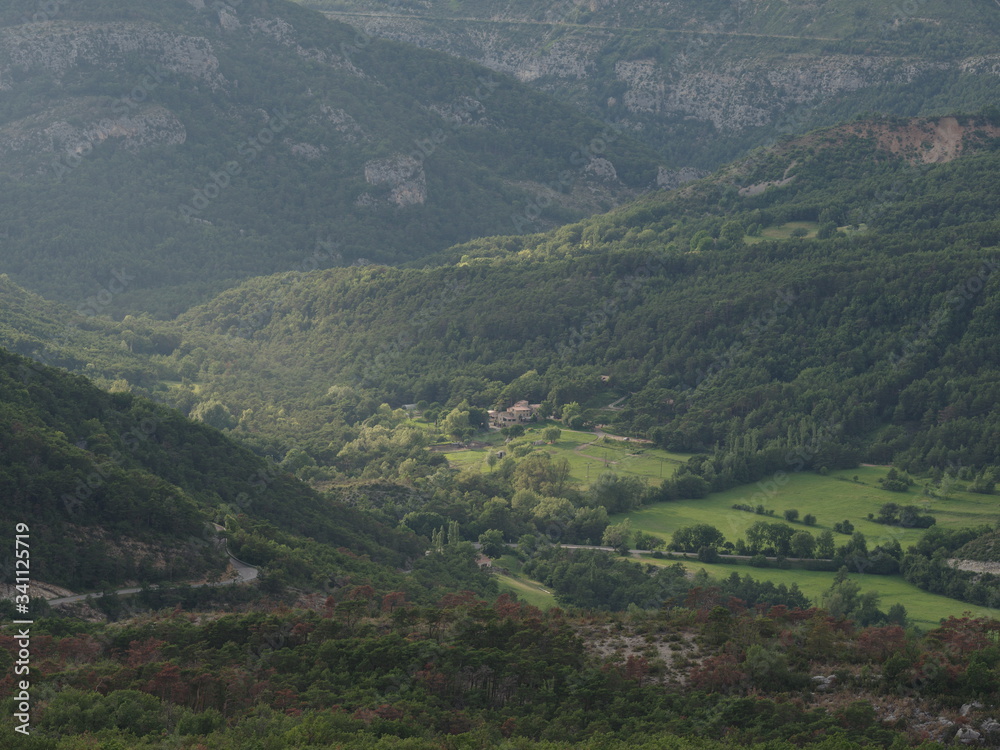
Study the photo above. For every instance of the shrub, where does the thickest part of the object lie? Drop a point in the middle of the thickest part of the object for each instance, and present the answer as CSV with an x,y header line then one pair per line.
x,y
708,555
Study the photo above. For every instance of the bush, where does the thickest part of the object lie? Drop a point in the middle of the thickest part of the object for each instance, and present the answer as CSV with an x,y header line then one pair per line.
x,y
791,515
708,555
759,561
809,519
695,538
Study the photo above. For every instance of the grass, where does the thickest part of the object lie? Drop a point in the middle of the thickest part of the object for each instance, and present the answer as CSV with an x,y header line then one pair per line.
x,y
527,590
829,498
587,458
923,608
784,232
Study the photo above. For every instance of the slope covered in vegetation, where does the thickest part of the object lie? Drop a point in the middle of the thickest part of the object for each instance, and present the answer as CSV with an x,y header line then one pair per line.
x,y
870,335
116,488
155,152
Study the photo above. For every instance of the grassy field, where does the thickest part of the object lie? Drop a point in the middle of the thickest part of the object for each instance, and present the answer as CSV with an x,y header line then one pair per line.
x,y
527,590
587,458
829,498
783,232
923,608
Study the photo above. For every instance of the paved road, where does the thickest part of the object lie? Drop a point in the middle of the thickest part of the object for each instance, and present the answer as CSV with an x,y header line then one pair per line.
x,y
244,574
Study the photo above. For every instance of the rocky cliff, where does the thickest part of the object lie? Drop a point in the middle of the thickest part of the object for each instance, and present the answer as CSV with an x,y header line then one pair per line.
x,y
705,81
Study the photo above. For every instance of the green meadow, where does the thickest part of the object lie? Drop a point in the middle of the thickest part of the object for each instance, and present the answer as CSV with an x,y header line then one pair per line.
x,y
849,494
831,499
587,454
923,608
528,590
784,232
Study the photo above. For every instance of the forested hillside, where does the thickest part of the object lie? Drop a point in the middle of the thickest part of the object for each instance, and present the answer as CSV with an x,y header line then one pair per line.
x,y
340,647
363,671
825,302
116,488
827,287
707,468
156,152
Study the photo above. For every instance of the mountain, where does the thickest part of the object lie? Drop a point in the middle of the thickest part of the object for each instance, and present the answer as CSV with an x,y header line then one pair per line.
x,y
704,82
115,488
846,279
841,284
157,152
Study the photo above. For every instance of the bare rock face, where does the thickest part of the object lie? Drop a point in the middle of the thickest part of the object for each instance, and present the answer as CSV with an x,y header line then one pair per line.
x,y
71,131
975,566
970,707
62,47
342,122
228,19
601,169
824,683
967,736
668,179
403,174
747,94
699,75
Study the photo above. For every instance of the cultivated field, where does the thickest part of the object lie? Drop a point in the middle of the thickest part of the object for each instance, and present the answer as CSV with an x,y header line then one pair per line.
x,y
830,498
588,456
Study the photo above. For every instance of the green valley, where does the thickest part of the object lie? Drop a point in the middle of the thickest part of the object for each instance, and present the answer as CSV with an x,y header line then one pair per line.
x,y
356,395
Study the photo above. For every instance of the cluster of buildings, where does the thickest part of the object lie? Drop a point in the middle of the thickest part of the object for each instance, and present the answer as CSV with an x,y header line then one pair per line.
x,y
519,413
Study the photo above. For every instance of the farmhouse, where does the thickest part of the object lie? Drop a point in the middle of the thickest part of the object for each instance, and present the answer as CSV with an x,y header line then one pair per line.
x,y
519,413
